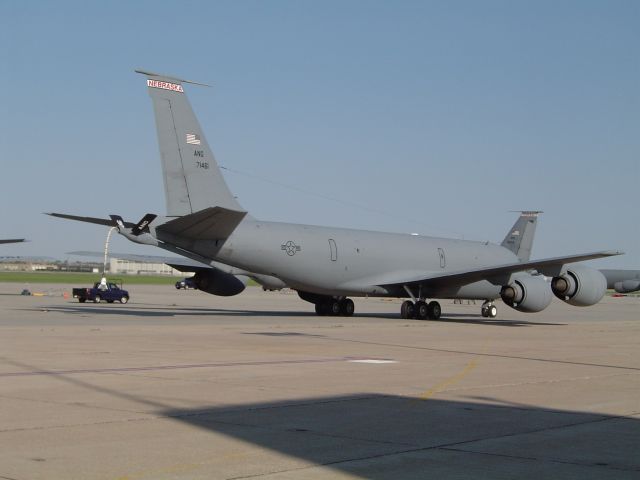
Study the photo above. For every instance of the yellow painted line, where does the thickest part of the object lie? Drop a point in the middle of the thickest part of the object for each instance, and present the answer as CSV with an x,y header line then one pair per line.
x,y
450,381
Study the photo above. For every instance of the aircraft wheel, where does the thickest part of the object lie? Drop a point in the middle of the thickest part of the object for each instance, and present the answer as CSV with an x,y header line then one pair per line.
x,y
97,299
124,299
422,310
407,310
347,307
433,310
321,309
334,308
489,311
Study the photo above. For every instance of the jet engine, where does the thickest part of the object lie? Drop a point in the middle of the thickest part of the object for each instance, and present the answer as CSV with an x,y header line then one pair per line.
x,y
580,286
527,294
219,283
627,286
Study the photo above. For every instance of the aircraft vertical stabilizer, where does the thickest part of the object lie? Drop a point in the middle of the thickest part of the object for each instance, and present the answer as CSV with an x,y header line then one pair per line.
x,y
192,179
520,238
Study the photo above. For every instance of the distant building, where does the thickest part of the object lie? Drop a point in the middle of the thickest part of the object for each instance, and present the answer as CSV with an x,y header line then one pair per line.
x,y
120,266
115,266
26,264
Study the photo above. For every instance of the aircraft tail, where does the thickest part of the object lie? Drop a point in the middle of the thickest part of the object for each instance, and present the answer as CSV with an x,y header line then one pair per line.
x,y
520,237
192,179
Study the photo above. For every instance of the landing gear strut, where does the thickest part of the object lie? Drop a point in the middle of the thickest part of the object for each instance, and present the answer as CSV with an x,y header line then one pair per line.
x,y
489,310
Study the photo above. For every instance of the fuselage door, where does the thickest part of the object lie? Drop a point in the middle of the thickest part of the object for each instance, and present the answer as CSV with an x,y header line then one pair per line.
x,y
443,260
333,249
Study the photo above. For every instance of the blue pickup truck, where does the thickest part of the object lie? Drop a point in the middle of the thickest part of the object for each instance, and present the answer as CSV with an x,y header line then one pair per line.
x,y
108,292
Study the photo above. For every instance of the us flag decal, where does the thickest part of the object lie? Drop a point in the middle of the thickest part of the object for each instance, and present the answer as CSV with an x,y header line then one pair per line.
x,y
193,139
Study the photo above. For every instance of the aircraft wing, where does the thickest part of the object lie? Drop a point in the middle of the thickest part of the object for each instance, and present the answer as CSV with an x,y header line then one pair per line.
x,y
497,274
12,240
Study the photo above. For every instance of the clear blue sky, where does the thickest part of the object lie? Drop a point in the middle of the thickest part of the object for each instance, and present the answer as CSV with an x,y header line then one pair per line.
x,y
438,117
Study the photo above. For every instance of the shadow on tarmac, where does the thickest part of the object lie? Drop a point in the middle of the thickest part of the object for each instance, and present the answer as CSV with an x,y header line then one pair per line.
x,y
175,311
378,437
373,436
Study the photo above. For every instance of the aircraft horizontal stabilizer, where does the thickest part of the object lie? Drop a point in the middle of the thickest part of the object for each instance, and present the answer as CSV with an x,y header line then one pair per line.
x,y
109,222
169,78
182,264
12,240
214,223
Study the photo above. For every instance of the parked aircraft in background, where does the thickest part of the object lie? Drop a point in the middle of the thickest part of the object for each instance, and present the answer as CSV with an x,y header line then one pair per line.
x,y
327,265
622,281
12,240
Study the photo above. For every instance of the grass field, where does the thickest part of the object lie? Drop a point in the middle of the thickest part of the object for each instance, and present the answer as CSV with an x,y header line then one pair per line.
x,y
83,279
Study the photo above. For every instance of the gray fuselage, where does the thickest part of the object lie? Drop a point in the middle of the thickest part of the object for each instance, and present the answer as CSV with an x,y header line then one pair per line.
x,y
346,262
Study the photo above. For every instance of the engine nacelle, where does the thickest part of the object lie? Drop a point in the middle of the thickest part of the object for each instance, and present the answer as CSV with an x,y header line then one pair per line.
x,y
580,286
218,283
268,282
627,286
527,294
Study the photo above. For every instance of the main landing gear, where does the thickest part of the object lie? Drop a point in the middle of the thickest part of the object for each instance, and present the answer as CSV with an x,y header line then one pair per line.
x,y
489,310
417,307
327,305
335,307
420,310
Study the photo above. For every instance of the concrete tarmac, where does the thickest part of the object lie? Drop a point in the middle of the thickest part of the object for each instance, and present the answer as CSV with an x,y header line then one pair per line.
x,y
185,385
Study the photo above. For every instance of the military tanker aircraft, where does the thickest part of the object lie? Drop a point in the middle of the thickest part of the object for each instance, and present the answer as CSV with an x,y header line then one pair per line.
x,y
622,281
327,265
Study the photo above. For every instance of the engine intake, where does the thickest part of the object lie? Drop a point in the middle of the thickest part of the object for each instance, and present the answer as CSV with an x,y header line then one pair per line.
x,y
527,294
580,286
219,283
